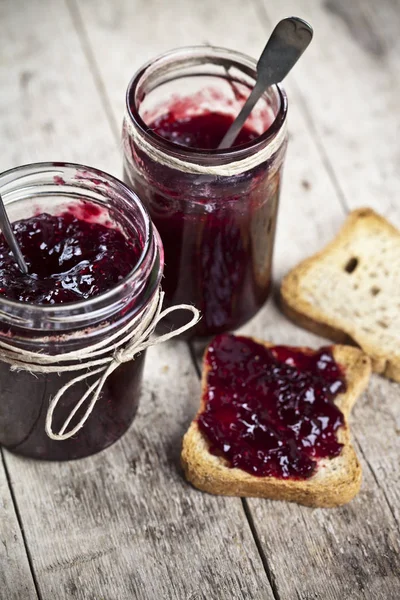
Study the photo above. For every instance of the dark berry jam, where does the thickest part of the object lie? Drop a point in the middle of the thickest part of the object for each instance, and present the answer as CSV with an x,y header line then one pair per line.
x,y
271,412
203,131
69,259
217,232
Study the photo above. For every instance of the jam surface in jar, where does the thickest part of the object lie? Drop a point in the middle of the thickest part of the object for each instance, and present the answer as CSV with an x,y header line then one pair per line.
x,y
271,411
204,131
69,259
217,232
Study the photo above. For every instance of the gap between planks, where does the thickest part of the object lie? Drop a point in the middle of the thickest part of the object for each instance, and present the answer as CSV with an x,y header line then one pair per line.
x,y
261,10
316,139
360,448
90,57
245,505
19,521
83,37
86,47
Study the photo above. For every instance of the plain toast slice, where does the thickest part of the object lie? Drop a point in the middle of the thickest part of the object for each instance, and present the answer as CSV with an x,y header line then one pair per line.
x,y
336,481
350,291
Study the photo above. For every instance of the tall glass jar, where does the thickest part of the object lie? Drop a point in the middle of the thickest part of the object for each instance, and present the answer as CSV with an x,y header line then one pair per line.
x,y
216,210
55,329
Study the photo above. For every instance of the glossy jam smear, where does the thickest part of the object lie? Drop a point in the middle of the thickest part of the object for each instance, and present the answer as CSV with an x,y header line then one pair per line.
x,y
69,259
199,131
271,412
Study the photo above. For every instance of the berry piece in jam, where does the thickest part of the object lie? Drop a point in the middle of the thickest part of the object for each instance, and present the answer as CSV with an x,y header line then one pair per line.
x,y
69,259
271,411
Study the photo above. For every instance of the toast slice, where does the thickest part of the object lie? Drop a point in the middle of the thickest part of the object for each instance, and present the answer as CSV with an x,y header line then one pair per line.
x,y
350,291
336,480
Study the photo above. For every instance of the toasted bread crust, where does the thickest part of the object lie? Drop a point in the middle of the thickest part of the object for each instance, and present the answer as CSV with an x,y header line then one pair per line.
x,y
295,305
336,480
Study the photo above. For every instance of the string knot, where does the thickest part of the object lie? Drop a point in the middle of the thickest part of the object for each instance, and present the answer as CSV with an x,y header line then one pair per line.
x,y
97,360
121,357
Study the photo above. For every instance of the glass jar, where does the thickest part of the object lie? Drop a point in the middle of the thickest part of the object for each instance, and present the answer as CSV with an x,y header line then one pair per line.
x,y
54,329
216,210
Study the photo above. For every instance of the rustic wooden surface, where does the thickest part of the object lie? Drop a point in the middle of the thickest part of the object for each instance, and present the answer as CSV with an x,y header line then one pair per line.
x,y
16,580
124,524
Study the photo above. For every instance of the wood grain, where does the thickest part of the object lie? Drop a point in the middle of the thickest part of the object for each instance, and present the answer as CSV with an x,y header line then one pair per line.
x,y
346,553
348,84
376,416
49,107
351,552
377,429
128,33
16,582
124,524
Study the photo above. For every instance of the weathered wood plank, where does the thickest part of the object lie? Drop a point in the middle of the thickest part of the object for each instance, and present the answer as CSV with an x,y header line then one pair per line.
x,y
119,34
376,416
49,107
380,441
34,111
349,85
16,582
351,552
124,524
128,33
310,214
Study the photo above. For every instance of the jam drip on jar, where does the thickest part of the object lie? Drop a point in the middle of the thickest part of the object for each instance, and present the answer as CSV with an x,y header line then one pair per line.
x,y
271,412
68,259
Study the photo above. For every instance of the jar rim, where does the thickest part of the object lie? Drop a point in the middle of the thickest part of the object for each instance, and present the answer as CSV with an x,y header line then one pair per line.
x,y
234,153
59,313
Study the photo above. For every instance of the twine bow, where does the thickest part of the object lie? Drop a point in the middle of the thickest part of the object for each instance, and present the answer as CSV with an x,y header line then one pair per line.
x,y
118,348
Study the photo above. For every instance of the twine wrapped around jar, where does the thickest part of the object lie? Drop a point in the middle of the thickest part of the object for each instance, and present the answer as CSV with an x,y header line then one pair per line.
x,y
234,167
99,359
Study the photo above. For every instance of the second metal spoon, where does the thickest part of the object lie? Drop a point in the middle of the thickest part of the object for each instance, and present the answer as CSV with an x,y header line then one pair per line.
x,y
8,233
285,46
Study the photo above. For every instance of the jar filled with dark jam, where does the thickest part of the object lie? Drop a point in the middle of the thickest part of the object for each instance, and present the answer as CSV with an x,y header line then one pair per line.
x,y
216,210
95,262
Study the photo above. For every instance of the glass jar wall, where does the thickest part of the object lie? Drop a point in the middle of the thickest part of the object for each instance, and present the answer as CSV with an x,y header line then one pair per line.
x,y
216,210
54,188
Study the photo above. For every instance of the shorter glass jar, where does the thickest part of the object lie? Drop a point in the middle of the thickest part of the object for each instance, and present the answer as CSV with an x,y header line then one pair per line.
x,y
54,329
216,210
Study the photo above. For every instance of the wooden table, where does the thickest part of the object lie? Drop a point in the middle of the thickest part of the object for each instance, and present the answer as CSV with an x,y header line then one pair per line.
x,y
124,524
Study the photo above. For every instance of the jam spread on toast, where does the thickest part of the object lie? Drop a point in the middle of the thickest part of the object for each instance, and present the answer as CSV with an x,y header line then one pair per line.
x,y
69,259
271,411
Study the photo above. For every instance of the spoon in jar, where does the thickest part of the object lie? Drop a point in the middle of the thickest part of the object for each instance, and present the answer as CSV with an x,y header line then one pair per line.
x,y
11,240
287,43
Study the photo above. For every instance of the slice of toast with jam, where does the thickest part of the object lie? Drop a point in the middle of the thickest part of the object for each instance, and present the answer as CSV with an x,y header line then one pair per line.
x,y
273,422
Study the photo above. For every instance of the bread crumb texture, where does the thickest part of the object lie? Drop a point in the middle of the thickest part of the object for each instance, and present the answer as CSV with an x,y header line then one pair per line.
x,y
351,290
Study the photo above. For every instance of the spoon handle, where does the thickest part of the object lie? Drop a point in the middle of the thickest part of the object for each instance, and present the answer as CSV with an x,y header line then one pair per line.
x,y
287,43
8,233
240,120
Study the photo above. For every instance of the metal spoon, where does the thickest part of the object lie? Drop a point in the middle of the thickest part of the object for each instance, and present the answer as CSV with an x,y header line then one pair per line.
x,y
8,233
285,46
